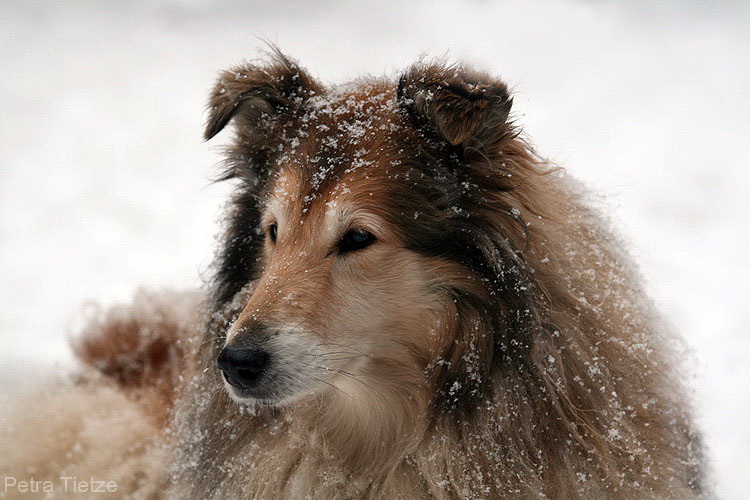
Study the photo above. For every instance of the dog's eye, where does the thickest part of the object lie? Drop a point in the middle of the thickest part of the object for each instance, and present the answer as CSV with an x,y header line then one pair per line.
x,y
356,239
273,232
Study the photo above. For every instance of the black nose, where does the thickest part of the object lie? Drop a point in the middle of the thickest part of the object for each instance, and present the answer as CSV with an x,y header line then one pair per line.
x,y
242,367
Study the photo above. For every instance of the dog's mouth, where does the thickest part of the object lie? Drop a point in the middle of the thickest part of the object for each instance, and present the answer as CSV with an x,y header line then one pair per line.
x,y
267,393
257,395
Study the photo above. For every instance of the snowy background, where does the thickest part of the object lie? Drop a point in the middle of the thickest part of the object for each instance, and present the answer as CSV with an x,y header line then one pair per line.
x,y
104,180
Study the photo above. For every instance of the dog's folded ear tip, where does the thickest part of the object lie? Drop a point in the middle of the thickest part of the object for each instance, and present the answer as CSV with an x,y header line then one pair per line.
x,y
247,91
458,103
216,122
210,131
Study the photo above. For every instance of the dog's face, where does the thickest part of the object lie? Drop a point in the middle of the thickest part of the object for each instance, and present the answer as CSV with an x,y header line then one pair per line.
x,y
339,293
367,275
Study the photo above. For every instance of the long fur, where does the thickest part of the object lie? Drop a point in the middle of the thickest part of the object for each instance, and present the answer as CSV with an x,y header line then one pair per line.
x,y
495,342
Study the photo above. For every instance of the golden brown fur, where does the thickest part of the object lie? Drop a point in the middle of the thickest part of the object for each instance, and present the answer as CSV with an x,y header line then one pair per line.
x,y
494,341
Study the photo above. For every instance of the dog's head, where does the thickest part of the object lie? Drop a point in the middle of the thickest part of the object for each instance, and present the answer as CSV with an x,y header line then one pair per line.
x,y
371,245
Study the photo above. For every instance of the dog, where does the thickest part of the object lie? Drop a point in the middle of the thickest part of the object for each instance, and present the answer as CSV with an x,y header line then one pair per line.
x,y
409,302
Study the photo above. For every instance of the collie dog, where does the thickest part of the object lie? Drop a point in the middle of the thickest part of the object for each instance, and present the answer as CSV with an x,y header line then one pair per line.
x,y
408,302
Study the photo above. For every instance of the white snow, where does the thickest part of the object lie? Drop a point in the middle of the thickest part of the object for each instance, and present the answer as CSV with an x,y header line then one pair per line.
x,y
104,178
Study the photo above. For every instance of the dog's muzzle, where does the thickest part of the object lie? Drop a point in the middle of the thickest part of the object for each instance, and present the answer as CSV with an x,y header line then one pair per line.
x,y
268,365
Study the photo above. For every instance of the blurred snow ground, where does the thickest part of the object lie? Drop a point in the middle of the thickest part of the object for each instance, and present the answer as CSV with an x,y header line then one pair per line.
x,y
104,180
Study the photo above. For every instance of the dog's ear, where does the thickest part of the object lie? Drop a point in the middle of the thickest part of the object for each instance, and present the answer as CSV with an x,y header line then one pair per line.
x,y
248,92
458,105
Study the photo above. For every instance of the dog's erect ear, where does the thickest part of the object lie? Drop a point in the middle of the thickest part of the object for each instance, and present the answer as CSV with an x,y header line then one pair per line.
x,y
248,92
461,106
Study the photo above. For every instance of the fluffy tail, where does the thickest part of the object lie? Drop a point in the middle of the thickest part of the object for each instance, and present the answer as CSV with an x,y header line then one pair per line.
x,y
141,347
108,423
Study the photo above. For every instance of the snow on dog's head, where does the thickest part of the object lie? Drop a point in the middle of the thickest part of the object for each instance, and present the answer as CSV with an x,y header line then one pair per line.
x,y
360,220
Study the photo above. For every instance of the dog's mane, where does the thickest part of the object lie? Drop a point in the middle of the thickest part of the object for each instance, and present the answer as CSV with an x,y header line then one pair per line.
x,y
560,379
